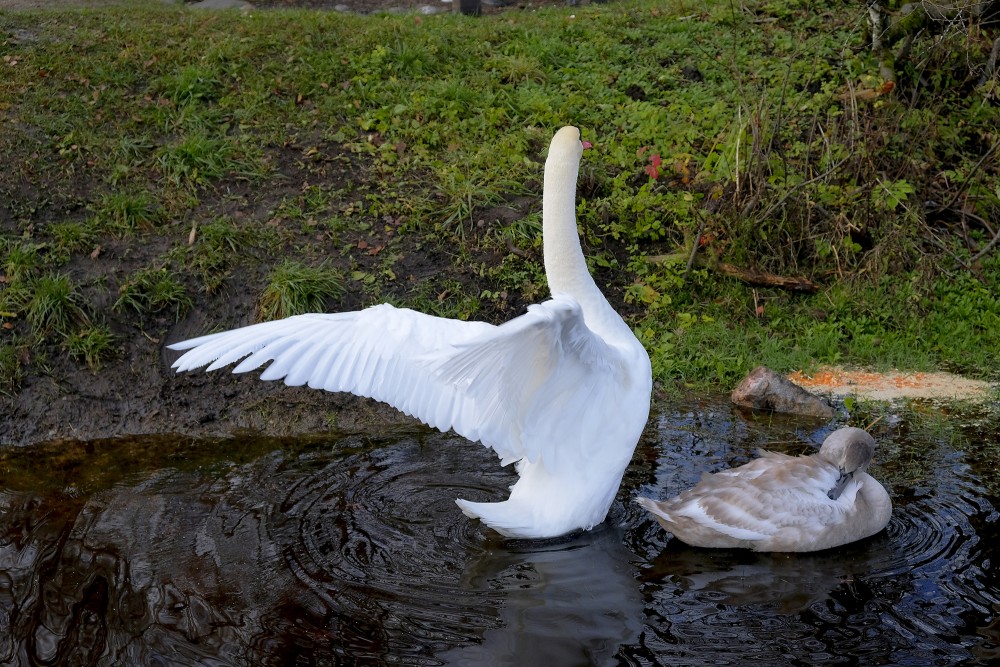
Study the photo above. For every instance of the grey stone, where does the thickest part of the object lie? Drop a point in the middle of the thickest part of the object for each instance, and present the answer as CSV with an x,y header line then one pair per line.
x,y
764,389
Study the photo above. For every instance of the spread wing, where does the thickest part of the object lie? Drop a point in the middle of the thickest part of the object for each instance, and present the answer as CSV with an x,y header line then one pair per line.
x,y
531,388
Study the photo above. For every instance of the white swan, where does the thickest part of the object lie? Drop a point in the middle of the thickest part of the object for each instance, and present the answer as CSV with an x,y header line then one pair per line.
x,y
784,503
562,390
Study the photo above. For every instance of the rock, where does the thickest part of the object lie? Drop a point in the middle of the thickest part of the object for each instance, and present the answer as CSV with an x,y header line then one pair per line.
x,y
764,389
222,4
428,10
341,8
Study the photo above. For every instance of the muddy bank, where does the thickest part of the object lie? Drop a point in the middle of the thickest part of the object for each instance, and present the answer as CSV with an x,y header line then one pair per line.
x,y
142,395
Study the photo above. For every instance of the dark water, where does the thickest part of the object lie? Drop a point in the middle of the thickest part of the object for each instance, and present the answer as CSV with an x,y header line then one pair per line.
x,y
350,550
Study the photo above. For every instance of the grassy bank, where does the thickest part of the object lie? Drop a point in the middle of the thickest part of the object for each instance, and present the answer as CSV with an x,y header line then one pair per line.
x,y
161,162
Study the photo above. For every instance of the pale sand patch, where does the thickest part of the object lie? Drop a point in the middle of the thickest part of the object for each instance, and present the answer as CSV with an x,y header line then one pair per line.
x,y
892,385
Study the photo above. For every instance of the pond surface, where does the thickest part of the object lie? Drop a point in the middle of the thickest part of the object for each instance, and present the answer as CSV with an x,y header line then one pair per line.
x,y
350,550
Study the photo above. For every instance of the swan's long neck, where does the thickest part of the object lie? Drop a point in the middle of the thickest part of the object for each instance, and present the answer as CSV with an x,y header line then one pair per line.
x,y
565,267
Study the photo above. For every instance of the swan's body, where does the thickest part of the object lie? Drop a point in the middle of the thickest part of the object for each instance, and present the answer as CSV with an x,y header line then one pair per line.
x,y
562,390
784,503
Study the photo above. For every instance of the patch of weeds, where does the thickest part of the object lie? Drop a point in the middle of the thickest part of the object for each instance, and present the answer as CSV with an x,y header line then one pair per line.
x,y
524,232
22,260
54,306
293,289
126,212
199,158
520,275
11,369
217,244
447,299
71,236
462,194
311,203
92,345
128,156
153,291
191,84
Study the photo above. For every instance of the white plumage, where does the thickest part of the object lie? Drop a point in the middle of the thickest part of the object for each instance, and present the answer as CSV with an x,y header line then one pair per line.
x,y
562,390
784,503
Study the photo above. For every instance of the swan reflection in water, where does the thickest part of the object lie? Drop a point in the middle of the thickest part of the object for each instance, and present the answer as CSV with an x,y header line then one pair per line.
x,y
572,601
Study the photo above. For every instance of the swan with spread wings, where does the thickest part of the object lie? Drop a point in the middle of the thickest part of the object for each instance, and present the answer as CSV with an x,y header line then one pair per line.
x,y
562,392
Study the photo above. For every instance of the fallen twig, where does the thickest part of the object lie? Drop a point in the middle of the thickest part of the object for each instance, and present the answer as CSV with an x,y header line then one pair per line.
x,y
749,276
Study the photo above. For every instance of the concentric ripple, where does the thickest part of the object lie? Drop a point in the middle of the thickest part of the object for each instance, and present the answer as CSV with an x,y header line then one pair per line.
x,y
377,536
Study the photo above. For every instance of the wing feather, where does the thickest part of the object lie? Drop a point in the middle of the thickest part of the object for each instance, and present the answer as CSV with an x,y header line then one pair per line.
x,y
543,363
496,384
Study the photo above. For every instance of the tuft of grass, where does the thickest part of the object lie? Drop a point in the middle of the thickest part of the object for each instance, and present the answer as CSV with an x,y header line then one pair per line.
x,y
219,245
152,291
92,344
54,306
127,212
294,288
71,236
190,84
22,261
11,368
198,158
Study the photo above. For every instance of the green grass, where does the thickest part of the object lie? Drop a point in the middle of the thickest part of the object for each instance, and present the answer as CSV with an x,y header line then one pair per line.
x,y
219,245
92,345
126,212
72,236
294,288
735,120
198,158
21,261
152,291
54,305
11,368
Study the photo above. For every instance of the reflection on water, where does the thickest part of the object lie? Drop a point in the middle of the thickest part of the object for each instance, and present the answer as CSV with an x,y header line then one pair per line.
x,y
167,551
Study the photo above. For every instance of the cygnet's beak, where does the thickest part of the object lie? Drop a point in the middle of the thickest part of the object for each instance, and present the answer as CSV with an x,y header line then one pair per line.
x,y
839,486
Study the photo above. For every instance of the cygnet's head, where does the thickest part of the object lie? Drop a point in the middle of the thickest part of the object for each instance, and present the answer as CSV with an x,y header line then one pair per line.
x,y
851,450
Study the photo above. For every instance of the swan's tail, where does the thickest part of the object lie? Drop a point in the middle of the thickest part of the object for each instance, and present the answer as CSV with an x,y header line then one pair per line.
x,y
507,518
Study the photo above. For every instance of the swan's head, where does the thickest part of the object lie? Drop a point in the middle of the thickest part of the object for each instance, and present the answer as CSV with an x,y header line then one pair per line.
x,y
851,450
566,146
